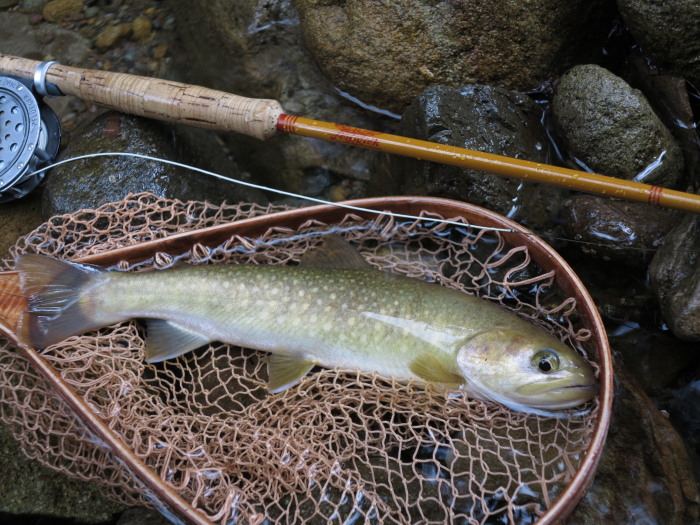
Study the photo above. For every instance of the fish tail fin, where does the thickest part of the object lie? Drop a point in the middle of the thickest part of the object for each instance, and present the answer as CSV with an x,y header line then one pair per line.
x,y
53,289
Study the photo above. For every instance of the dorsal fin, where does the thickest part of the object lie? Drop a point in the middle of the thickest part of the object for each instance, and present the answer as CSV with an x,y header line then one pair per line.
x,y
334,253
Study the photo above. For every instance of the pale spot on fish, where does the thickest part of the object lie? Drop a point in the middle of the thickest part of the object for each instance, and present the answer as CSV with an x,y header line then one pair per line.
x,y
301,293
332,296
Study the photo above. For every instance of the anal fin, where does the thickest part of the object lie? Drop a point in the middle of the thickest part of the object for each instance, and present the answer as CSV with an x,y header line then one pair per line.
x,y
284,370
430,369
165,340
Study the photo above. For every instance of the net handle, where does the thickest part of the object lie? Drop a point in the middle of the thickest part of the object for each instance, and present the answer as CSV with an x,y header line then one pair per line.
x,y
155,98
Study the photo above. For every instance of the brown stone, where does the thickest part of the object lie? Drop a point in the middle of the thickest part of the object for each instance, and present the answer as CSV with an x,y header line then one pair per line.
x,y
59,10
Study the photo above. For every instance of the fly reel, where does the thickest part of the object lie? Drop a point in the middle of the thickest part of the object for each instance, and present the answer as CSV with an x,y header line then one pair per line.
x,y
30,135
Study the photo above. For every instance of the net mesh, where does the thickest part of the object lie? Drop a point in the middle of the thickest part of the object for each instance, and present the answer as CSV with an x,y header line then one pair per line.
x,y
339,446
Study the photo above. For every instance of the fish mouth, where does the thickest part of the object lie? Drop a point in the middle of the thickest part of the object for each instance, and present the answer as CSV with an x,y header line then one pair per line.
x,y
558,397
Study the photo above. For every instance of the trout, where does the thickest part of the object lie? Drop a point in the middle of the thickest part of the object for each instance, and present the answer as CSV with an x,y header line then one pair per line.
x,y
333,310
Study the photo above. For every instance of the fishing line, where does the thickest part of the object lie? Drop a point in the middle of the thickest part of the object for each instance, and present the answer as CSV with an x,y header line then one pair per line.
x,y
315,199
273,190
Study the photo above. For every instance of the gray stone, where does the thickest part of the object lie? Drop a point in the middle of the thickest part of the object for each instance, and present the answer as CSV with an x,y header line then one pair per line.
x,y
627,232
259,53
668,31
89,183
675,278
480,118
610,127
645,474
386,53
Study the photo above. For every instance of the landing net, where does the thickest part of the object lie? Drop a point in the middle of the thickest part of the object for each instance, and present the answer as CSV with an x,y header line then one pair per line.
x,y
338,447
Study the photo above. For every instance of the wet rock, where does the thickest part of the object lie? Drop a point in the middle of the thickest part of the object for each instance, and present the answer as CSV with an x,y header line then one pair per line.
x,y
481,118
259,54
610,127
668,31
59,10
29,488
386,53
675,278
627,232
655,358
668,95
89,183
644,475
683,405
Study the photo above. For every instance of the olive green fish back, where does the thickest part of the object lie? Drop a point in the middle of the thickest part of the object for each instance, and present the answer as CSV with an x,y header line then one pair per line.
x,y
339,446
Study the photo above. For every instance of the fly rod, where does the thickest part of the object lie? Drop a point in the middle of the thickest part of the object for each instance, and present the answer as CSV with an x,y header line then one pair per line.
x,y
264,118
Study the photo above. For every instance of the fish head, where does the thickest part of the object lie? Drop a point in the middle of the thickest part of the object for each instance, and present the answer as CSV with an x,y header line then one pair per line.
x,y
526,369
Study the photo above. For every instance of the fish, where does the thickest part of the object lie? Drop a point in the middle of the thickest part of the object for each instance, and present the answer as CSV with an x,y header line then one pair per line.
x,y
333,310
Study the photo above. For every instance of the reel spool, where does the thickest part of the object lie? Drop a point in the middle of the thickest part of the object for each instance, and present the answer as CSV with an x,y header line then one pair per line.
x,y
30,135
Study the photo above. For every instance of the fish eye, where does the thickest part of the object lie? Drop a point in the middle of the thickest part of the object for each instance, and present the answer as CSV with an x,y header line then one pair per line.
x,y
546,360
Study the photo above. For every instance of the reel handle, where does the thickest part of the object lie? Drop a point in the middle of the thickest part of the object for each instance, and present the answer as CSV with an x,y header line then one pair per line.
x,y
156,98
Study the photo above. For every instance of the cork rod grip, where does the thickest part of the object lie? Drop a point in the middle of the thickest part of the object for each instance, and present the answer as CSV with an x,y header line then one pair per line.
x,y
158,99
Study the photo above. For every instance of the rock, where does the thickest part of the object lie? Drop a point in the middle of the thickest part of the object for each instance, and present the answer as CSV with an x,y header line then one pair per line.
x,y
627,232
674,273
142,516
259,54
610,127
480,118
89,183
386,53
683,406
668,95
668,31
59,10
29,488
42,42
654,357
18,218
110,35
142,29
644,475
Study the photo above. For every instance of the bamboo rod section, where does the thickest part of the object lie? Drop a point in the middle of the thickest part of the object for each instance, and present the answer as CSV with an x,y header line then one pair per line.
x,y
202,107
488,162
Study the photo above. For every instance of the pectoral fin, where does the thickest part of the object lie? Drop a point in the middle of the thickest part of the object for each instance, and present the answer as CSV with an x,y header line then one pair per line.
x,y
165,340
430,369
284,371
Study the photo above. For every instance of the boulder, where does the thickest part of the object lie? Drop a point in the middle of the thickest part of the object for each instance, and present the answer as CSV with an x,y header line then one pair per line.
x,y
481,118
94,181
645,474
626,232
259,53
610,127
674,273
668,31
386,53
